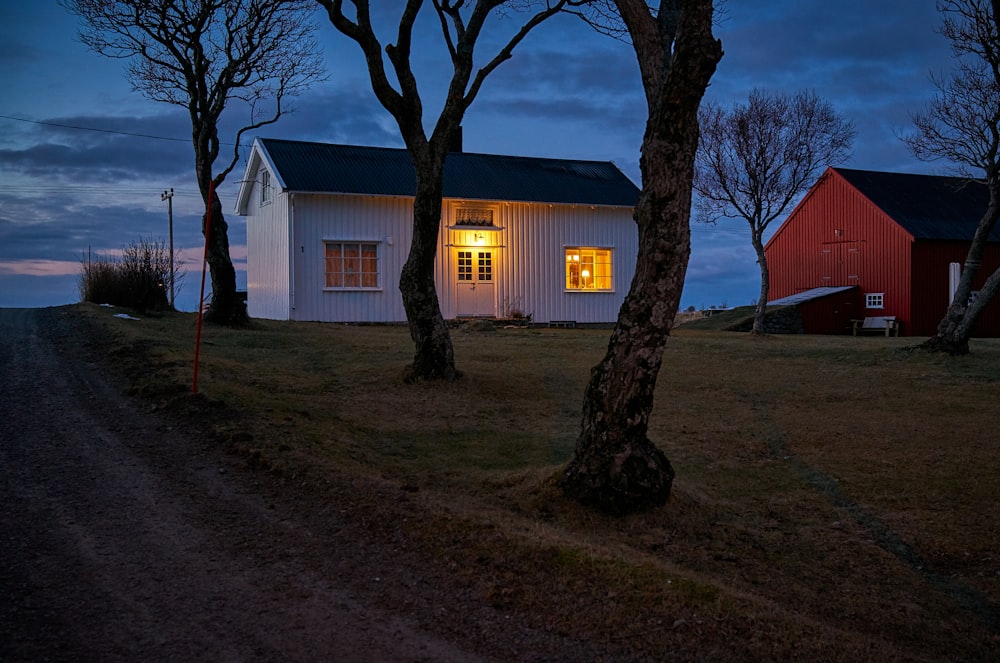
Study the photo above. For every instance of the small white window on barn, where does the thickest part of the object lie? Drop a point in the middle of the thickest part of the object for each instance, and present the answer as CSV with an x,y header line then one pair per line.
x,y
351,266
479,217
588,269
265,186
873,300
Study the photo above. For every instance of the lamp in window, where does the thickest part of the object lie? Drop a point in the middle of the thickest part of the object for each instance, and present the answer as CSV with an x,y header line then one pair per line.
x,y
585,274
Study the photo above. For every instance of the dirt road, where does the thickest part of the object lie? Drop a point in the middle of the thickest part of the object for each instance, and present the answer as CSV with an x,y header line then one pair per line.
x,y
125,538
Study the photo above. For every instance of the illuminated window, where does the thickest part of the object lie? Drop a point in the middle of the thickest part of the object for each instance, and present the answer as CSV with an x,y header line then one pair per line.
x,y
873,300
474,216
352,265
465,265
588,269
475,266
265,187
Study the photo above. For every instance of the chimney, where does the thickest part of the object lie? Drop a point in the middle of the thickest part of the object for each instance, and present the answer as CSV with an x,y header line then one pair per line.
x,y
456,140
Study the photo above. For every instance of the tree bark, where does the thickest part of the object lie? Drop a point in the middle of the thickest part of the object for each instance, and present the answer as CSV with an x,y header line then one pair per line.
x,y
434,356
461,29
760,313
225,308
955,328
616,467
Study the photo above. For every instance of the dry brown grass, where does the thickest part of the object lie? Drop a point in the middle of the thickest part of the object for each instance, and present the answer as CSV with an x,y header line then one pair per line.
x,y
837,497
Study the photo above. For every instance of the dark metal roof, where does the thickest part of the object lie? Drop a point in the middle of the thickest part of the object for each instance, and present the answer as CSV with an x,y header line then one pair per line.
x,y
325,168
809,295
926,206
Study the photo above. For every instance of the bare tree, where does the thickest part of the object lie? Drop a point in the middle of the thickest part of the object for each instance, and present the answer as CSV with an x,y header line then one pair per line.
x,y
202,55
616,467
755,159
962,125
462,25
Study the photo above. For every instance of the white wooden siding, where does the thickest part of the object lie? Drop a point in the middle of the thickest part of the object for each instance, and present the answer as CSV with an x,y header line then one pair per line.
x,y
268,268
319,218
529,257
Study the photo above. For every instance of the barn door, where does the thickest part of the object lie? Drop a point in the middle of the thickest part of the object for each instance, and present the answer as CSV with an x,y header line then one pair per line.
x,y
475,271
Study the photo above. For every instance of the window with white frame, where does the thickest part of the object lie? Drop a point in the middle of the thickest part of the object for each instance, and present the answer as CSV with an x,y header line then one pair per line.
x,y
352,265
874,300
265,186
588,268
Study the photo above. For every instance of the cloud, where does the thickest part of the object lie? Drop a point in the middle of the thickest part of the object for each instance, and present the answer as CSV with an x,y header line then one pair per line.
x,y
603,69
337,113
59,227
39,267
90,148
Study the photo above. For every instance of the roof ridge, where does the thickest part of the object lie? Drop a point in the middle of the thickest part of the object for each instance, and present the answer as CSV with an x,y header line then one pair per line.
x,y
463,152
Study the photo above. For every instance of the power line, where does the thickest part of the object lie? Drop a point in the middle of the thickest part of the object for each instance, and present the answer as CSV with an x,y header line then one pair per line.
x,y
106,131
149,190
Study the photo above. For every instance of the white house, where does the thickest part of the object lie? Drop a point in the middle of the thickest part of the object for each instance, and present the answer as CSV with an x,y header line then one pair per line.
x,y
329,228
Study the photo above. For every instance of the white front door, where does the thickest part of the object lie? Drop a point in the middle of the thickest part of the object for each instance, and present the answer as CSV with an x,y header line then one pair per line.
x,y
474,270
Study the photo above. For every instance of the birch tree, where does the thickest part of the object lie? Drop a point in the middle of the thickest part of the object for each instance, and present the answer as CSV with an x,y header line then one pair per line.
x,y
616,467
756,159
206,55
395,85
962,125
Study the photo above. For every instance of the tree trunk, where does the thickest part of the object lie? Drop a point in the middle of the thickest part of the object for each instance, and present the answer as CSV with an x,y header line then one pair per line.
x,y
949,339
225,307
616,467
760,313
434,357
955,328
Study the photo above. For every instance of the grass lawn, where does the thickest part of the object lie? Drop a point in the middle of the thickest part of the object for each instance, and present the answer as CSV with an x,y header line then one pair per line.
x,y
836,497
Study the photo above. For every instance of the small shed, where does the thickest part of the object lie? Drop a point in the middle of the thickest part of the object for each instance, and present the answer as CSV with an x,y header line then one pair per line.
x,y
329,228
827,310
896,238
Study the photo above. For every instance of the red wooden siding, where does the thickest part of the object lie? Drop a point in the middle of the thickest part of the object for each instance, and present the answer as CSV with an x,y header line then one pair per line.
x,y
836,237
930,285
832,314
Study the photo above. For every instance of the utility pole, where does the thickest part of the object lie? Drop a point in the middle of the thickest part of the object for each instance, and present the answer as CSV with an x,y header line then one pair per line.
x,y
169,197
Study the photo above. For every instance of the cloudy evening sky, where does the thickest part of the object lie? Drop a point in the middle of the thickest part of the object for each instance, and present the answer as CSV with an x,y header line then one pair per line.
x,y
84,159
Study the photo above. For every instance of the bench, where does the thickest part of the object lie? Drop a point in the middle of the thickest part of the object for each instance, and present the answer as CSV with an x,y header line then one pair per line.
x,y
886,324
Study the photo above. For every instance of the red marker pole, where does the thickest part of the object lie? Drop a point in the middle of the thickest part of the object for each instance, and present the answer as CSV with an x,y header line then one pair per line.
x,y
201,295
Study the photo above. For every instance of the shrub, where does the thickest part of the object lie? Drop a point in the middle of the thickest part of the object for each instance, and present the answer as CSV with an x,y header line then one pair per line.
x,y
137,280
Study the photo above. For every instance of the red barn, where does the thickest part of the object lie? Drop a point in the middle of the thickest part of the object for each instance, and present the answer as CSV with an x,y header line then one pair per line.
x,y
864,243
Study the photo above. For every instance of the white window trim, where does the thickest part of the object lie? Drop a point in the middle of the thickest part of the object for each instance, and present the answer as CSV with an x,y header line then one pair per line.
x,y
870,298
494,211
584,247
266,190
378,259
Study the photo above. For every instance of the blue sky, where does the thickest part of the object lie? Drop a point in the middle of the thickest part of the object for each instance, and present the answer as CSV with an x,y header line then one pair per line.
x,y
567,93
